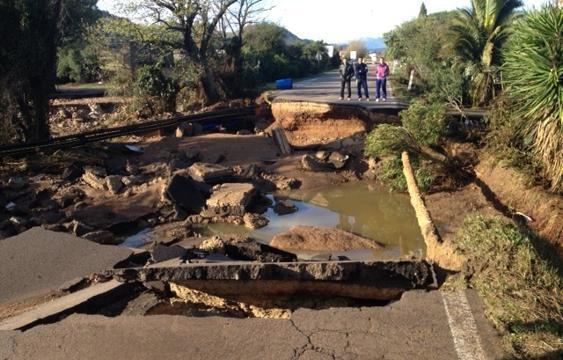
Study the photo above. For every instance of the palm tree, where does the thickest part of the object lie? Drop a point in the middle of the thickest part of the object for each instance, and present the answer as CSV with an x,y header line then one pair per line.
x,y
478,35
533,77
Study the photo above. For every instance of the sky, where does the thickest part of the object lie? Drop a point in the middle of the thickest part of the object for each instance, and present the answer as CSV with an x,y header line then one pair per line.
x,y
339,21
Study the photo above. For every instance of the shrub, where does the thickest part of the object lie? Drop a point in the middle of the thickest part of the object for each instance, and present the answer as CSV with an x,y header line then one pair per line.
x,y
392,174
533,75
154,87
390,140
425,121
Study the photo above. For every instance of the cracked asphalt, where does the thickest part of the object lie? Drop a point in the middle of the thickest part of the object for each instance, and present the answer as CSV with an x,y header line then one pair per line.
x,y
416,327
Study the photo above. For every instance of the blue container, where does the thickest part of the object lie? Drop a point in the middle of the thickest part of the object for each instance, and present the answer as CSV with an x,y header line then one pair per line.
x,y
284,84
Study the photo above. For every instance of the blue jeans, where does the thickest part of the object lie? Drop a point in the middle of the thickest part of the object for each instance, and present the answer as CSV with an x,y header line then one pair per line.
x,y
381,86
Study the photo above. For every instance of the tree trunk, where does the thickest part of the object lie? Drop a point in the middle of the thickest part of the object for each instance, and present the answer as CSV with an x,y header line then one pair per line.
x,y
208,85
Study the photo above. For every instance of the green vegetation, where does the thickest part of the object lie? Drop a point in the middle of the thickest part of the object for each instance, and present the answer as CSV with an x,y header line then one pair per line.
x,y
478,37
520,282
533,73
392,174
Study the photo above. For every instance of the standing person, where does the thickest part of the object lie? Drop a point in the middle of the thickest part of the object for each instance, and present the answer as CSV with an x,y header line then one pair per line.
x,y
362,79
346,74
381,80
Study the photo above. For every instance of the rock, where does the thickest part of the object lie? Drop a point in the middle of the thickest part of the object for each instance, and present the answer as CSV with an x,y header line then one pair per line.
x,y
184,130
254,221
184,193
338,160
40,199
247,172
231,199
308,238
95,177
310,163
16,183
213,245
114,184
101,237
79,229
52,217
163,253
197,220
282,182
73,172
192,155
283,207
210,173
322,155
133,180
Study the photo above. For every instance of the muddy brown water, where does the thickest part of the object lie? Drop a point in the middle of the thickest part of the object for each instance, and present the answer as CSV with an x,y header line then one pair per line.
x,y
368,210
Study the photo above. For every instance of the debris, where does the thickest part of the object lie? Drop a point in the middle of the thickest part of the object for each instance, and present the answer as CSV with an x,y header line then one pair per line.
x,y
210,173
184,193
163,253
114,184
11,207
254,221
338,160
73,172
95,177
283,207
231,199
310,163
79,229
281,141
101,237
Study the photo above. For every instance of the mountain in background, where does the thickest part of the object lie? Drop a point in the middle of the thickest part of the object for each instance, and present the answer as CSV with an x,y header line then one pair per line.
x,y
374,43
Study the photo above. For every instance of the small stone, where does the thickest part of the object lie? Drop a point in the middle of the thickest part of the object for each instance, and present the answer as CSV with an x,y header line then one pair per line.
x,y
254,221
95,177
283,207
114,184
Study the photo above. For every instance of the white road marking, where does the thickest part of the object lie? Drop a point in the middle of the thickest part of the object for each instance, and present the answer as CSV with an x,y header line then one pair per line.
x,y
462,326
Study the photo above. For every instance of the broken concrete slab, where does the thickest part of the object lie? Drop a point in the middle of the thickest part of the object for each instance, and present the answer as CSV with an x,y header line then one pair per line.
x,y
362,280
117,213
210,173
231,199
308,238
95,177
44,312
163,253
251,250
38,262
186,194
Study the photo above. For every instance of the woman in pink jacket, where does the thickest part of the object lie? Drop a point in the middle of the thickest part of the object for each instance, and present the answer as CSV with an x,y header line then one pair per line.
x,y
381,73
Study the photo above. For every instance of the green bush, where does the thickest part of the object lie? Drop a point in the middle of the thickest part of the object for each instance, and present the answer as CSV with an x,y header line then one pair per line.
x,y
152,85
425,121
392,174
390,140
78,65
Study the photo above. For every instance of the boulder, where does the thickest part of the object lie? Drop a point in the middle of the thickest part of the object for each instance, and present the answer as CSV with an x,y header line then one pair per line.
x,y
283,207
254,221
73,172
308,238
163,253
186,194
95,177
114,184
311,163
231,199
210,173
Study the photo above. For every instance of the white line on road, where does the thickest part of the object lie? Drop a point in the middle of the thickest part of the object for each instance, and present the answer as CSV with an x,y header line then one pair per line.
x,y
463,327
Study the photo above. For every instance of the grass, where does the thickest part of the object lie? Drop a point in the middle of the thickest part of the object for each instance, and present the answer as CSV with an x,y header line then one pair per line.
x,y
519,279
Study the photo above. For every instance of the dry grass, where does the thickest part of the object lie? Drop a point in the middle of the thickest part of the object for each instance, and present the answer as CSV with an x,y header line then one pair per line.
x,y
520,282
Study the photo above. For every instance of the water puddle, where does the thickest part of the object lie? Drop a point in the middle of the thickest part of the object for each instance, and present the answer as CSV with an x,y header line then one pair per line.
x,y
368,210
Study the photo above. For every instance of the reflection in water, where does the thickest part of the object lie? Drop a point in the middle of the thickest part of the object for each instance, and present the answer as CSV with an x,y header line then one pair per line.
x,y
370,211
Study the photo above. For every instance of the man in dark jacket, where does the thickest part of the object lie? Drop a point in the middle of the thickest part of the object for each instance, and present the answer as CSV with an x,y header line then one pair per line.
x,y
346,74
362,78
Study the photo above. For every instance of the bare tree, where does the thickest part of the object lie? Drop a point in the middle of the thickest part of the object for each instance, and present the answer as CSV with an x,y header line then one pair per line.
x,y
242,14
196,21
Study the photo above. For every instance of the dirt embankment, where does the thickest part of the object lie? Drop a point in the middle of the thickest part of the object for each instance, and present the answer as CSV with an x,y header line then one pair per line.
x,y
506,188
308,124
